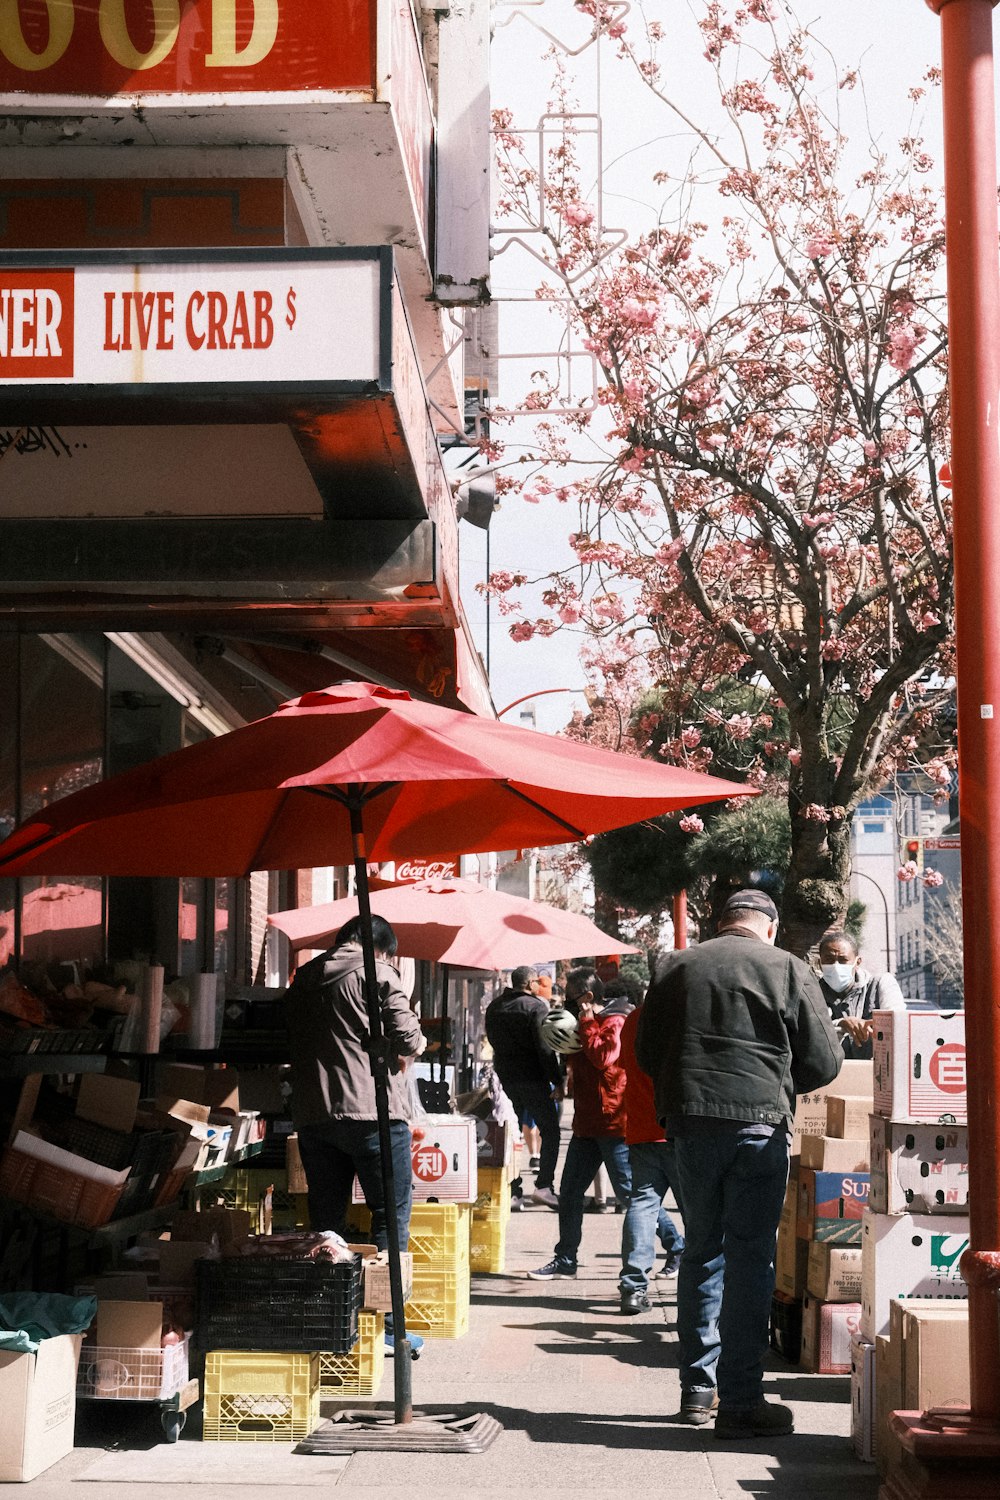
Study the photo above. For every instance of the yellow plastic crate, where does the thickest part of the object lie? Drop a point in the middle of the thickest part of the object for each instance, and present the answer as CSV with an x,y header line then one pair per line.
x,y
260,1398
439,1306
439,1233
494,1188
360,1372
488,1241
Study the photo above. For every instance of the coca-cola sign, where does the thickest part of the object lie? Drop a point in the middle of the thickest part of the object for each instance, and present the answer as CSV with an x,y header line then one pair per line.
x,y
423,869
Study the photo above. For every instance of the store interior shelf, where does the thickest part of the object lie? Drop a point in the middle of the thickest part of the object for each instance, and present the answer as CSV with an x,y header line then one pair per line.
x,y
20,1064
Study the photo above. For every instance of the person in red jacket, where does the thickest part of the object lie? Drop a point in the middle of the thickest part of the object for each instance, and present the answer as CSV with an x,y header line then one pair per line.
x,y
651,1158
598,1081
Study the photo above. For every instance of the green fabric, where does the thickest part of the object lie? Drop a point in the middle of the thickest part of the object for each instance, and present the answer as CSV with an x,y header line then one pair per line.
x,y
26,1318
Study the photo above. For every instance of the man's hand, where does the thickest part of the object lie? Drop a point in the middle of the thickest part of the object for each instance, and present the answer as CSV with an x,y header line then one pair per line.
x,y
858,1029
586,1010
559,1093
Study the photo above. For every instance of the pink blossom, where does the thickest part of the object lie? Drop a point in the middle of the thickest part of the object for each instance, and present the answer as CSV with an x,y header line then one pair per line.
x,y
929,619
902,345
739,726
569,614
691,824
819,246
932,879
580,214
523,631
907,872
690,737
637,314
814,813
819,518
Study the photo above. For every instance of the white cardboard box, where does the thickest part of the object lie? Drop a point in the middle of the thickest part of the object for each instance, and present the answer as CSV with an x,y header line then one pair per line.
x,y
921,1169
444,1157
863,1398
919,1061
38,1401
909,1255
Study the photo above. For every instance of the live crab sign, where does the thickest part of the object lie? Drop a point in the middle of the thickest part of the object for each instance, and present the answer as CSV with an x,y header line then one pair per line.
x,y
101,48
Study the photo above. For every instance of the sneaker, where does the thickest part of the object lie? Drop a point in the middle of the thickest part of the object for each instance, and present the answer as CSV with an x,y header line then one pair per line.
x,y
699,1405
766,1419
516,1203
534,1162
595,1206
552,1269
672,1264
545,1197
415,1341
635,1302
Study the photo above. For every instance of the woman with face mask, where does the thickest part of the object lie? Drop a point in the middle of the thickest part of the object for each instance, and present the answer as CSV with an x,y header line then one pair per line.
x,y
852,993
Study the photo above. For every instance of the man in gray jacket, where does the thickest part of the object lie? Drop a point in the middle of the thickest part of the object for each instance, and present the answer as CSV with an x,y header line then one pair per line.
x,y
333,1091
731,1030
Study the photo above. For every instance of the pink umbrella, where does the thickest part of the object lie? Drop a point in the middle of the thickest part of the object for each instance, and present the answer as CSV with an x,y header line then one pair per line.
x,y
460,923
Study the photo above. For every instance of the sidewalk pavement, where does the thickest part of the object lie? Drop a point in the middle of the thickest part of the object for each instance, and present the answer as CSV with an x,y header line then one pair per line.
x,y
584,1396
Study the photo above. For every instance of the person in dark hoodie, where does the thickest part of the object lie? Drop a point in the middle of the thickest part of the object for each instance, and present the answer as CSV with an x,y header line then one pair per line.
x,y
529,1073
333,1091
598,1081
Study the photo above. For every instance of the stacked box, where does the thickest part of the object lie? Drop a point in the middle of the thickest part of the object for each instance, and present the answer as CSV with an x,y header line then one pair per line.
x,y
915,1229
831,1199
490,1215
439,1244
863,1397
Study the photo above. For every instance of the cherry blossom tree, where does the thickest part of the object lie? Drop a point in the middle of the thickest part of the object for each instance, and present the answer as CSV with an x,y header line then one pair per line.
x,y
758,490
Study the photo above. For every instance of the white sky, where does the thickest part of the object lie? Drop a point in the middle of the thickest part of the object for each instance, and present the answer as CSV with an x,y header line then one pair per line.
x,y
891,42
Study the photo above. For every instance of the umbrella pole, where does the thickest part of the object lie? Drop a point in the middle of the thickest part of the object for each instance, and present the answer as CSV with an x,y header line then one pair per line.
x,y
443,1049
402,1363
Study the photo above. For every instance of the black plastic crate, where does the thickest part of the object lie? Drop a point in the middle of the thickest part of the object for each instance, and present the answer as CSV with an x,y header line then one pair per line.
x,y
147,1152
269,1302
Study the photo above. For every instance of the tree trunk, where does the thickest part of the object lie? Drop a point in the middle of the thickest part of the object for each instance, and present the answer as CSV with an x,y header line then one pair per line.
x,y
816,891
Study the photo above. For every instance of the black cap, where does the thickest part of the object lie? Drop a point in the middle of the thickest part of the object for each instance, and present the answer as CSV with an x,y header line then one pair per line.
x,y
751,901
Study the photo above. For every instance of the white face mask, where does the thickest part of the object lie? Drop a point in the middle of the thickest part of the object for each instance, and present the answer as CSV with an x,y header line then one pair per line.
x,y
839,977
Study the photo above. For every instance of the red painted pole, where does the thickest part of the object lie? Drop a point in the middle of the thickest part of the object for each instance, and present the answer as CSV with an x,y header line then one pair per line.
x,y
681,919
973,247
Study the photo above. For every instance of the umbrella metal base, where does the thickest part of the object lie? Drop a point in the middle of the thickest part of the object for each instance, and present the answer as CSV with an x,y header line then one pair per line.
x,y
358,1431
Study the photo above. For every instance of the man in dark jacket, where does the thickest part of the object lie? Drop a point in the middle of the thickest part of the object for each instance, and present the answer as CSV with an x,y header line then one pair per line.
x,y
333,1091
730,1032
529,1073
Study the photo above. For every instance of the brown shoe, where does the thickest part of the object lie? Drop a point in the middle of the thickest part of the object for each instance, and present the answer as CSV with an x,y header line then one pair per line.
x,y
699,1405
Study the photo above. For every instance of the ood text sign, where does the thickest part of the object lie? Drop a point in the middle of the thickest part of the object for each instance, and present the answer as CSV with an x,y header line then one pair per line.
x,y
106,47
191,322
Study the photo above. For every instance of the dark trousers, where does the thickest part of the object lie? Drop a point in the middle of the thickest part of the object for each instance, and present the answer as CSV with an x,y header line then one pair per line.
x,y
534,1101
333,1153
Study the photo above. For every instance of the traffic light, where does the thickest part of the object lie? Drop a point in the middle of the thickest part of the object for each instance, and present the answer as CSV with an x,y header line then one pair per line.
x,y
915,852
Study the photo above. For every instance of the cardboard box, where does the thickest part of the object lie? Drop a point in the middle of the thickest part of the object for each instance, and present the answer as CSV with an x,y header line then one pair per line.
x,y
445,1167
827,1331
38,1401
834,1272
791,1261
177,1261
825,1153
107,1101
219,1088
935,1357
888,1398
495,1144
129,1325
919,1168
377,1293
847,1116
863,1398
906,1256
230,1226
266,1089
854,1078
831,1205
919,1061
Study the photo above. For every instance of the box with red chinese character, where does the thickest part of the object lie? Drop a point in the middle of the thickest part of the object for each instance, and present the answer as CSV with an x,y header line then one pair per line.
x,y
920,1066
920,1169
443,1154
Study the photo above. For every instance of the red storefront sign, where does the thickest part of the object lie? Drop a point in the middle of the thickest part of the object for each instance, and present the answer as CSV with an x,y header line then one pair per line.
x,y
106,47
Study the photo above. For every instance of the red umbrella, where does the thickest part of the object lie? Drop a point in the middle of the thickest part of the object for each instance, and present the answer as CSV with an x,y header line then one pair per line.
x,y
460,923
276,794
354,772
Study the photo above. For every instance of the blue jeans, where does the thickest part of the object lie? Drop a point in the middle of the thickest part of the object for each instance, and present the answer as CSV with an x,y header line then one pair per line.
x,y
654,1172
732,1181
583,1157
331,1156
